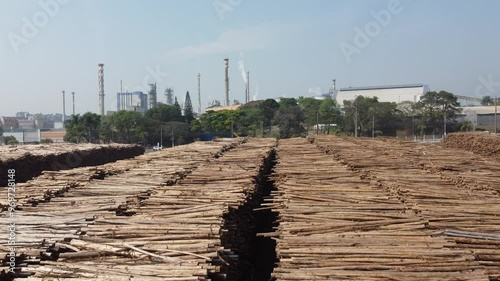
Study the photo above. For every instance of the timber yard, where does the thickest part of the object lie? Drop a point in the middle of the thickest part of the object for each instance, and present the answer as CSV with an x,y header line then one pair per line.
x,y
316,208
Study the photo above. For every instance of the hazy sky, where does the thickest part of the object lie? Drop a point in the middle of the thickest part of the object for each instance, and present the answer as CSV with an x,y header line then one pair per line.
x,y
291,47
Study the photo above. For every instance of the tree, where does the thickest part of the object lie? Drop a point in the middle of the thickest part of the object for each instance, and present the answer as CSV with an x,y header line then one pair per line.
x,y
188,109
91,124
268,108
439,108
310,107
467,126
129,126
107,130
83,128
164,113
368,115
75,132
10,140
176,104
329,113
408,112
487,100
289,118
286,102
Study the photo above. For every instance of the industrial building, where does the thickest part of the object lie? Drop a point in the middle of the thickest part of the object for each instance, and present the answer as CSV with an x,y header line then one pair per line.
x,y
397,94
136,101
483,117
23,136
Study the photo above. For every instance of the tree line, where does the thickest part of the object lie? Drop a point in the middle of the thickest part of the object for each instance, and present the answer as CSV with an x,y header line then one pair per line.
x,y
435,113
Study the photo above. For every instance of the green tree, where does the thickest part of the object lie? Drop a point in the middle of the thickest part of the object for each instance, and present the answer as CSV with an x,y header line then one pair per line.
x,y
107,130
90,125
130,127
164,113
287,102
289,118
10,140
368,114
467,126
438,108
188,109
487,100
329,113
75,132
84,128
176,104
310,108
268,108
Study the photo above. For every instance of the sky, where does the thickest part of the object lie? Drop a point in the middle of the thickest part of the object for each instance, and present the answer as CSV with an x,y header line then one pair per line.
x,y
292,48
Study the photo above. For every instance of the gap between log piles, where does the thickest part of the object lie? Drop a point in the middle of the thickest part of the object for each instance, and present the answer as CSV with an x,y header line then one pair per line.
x,y
249,251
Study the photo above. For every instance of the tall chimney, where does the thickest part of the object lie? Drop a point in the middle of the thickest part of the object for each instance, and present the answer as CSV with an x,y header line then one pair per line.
x,y
247,96
101,88
64,107
73,94
226,67
199,93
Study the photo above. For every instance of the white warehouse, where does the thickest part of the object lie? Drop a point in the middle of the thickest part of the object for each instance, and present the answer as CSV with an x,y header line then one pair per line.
x,y
397,94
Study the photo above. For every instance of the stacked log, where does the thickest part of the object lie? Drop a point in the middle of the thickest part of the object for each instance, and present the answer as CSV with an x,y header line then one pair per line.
x,y
335,224
30,160
479,143
62,212
171,233
455,193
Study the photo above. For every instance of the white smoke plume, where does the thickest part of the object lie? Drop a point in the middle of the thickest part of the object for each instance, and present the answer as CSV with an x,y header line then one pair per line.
x,y
315,91
241,66
256,92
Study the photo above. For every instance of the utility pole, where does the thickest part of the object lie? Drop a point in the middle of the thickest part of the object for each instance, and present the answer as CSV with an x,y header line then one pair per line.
x,y
261,129
317,122
232,127
373,127
64,108
496,120
444,121
356,122
161,136
173,143
73,94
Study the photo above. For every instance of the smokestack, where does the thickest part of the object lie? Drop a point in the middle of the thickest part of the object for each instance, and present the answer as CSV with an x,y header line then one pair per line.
x,y
199,93
247,96
226,67
73,94
64,107
101,88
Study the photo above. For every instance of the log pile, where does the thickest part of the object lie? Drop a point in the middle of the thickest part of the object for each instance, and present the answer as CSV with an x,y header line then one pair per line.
x,y
336,225
454,193
30,160
167,230
75,197
479,143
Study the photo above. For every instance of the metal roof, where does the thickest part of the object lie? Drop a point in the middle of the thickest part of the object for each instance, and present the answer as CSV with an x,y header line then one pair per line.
x,y
382,87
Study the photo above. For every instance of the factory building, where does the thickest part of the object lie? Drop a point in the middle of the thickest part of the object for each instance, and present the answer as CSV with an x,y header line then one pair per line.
x,y
136,101
397,94
482,117
24,136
